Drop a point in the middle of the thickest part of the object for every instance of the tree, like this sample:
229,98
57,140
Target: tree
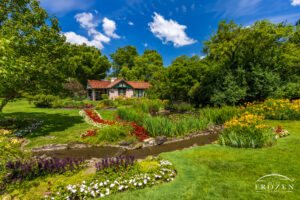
253,60
144,66
123,57
298,22
87,63
32,51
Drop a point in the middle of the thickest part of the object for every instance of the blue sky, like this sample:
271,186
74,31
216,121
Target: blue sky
172,27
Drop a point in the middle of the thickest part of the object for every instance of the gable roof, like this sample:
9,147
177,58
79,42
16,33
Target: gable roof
95,84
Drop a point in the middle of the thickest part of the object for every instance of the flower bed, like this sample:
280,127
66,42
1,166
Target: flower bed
92,117
279,132
109,180
247,131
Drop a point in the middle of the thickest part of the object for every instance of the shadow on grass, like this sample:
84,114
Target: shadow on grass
52,122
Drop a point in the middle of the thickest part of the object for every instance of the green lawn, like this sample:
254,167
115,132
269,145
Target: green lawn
65,124
206,172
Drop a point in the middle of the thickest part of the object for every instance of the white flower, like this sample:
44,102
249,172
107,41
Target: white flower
102,195
145,181
112,185
101,184
140,184
134,184
121,187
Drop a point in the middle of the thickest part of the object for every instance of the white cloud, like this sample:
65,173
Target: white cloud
146,44
201,57
109,27
74,38
169,31
237,8
130,23
193,6
86,20
295,2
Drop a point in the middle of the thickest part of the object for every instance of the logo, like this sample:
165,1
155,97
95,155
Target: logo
274,183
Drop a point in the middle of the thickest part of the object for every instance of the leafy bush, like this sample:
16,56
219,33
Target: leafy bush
178,107
163,126
44,101
247,131
104,96
148,106
219,115
108,102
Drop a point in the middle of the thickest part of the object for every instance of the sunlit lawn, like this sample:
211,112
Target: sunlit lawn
65,124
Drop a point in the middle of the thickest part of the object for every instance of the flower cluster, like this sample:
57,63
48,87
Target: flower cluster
92,117
89,133
104,187
116,163
279,132
79,106
37,166
245,120
275,109
139,132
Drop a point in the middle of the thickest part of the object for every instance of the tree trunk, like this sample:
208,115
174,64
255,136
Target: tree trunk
3,103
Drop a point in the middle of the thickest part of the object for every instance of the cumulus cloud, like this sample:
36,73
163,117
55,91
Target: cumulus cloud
88,22
169,31
295,2
130,23
74,38
109,27
145,44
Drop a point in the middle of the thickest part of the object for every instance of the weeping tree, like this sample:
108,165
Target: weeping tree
32,51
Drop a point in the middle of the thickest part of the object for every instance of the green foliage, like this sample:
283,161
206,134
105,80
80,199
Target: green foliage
157,126
108,102
45,101
113,133
86,63
130,115
147,166
32,51
247,137
219,115
179,107
104,96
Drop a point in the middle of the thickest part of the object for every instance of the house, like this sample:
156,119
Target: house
115,88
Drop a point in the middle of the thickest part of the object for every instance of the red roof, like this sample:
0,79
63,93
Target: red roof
95,84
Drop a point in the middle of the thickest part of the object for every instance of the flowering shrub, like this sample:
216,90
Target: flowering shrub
115,163
130,179
28,169
279,109
89,133
279,132
247,131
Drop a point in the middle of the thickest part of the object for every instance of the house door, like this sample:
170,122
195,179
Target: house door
121,91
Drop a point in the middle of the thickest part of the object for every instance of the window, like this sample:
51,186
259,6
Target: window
111,91
121,91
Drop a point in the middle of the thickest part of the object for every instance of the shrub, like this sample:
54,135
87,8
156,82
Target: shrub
178,107
44,101
108,102
247,131
104,96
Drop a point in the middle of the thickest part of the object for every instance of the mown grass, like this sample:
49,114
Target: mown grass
64,124
220,172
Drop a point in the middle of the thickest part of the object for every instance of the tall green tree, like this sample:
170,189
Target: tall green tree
255,60
33,50
123,58
87,62
144,66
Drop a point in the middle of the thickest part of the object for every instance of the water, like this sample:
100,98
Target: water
104,152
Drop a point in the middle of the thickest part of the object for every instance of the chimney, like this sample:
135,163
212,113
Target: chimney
112,79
